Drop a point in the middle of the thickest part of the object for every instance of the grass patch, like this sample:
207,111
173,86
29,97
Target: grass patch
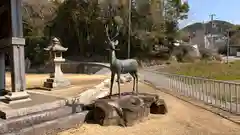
211,70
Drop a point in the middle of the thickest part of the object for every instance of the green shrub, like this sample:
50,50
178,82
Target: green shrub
34,49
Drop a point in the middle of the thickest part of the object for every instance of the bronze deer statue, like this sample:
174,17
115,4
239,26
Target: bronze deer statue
118,66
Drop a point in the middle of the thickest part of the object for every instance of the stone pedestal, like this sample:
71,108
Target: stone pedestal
127,110
57,79
17,97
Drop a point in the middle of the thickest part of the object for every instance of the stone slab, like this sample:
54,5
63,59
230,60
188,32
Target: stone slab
37,99
52,127
13,113
12,96
17,101
17,124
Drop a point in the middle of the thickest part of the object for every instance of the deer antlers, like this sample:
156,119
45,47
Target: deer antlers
110,39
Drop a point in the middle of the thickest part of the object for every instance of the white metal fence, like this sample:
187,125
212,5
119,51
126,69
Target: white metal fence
221,94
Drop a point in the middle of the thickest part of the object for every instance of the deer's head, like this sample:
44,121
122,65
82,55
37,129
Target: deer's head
110,40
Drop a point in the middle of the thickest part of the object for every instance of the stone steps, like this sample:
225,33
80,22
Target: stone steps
50,80
26,121
48,84
49,117
16,113
18,123
53,126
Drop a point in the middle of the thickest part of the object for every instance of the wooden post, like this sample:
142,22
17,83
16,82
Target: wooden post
15,44
2,72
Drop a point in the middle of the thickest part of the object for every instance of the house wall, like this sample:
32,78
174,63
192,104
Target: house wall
199,38
232,51
205,41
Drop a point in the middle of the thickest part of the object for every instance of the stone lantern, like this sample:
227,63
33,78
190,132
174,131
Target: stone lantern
56,79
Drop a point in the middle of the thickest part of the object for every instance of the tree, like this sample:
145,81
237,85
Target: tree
77,24
175,10
36,14
184,36
80,24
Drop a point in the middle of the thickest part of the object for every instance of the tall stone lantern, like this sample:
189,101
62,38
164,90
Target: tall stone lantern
56,79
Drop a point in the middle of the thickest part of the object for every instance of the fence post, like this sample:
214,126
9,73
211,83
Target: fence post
219,95
225,97
230,92
237,98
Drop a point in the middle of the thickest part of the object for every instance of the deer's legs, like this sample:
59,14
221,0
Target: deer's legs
136,76
118,82
111,85
134,80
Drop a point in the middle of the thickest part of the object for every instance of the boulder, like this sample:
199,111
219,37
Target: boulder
194,51
126,110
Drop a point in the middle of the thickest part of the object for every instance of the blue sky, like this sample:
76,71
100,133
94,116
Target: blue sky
228,10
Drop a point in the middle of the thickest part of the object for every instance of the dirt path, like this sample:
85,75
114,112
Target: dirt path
182,119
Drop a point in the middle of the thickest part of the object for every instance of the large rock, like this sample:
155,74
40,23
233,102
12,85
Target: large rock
127,110
195,51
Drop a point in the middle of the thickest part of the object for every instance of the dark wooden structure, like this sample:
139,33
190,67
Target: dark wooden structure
12,42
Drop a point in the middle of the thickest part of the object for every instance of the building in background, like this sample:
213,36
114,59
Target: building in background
215,42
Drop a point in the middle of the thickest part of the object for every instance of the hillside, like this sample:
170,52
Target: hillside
220,26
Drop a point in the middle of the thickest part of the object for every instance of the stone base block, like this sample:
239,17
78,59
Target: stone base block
3,92
17,97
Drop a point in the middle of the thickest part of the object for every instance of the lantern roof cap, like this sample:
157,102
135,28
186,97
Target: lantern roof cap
55,46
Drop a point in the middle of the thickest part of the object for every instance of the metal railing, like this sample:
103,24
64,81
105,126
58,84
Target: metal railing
221,94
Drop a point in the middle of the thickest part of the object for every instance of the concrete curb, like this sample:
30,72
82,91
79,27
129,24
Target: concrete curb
223,114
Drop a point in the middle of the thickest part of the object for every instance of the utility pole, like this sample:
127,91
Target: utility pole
129,27
211,31
204,27
228,42
204,34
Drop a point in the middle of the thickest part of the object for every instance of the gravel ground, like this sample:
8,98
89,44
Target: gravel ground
182,119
